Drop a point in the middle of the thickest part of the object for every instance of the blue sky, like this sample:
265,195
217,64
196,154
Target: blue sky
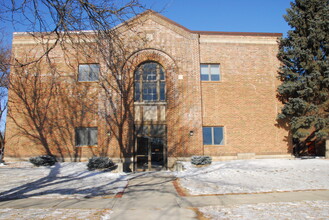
217,15
226,15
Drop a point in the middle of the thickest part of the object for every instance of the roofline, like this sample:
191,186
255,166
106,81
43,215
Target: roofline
238,33
50,32
168,20
149,11
214,32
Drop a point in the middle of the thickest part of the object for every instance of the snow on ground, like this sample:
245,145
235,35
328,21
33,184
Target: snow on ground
35,214
251,176
63,180
270,211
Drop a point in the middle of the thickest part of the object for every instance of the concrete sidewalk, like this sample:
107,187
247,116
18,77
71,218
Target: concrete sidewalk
153,196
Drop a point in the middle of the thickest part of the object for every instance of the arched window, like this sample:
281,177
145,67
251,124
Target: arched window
150,82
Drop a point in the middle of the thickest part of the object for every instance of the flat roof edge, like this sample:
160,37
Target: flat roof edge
71,32
195,32
238,33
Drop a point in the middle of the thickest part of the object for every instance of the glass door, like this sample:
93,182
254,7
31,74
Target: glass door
142,154
157,153
150,154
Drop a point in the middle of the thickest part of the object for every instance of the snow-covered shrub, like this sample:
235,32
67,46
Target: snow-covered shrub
100,163
44,160
200,160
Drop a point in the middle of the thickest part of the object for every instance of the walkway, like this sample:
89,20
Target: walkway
153,196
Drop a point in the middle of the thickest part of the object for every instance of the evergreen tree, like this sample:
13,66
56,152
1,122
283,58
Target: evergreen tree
305,69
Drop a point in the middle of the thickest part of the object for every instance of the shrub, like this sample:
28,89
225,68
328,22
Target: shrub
200,160
100,163
44,160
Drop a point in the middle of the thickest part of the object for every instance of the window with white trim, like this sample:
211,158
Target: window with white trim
86,136
210,72
213,135
88,72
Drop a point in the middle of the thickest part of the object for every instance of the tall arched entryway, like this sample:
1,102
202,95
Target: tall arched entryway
150,116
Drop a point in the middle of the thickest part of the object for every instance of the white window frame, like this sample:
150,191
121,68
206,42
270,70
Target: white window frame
209,66
213,135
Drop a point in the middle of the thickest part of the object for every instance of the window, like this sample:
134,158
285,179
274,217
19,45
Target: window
213,135
86,136
88,72
150,82
210,72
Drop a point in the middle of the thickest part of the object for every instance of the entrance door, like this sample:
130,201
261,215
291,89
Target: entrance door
142,154
157,153
150,154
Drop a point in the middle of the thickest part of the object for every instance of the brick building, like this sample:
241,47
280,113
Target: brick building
185,93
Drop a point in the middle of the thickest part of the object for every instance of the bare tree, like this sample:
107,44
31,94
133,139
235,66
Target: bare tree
59,25
4,74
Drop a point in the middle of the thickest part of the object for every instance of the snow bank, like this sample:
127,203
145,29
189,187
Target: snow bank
251,176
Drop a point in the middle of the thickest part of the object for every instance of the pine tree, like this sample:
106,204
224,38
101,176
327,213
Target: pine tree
305,70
